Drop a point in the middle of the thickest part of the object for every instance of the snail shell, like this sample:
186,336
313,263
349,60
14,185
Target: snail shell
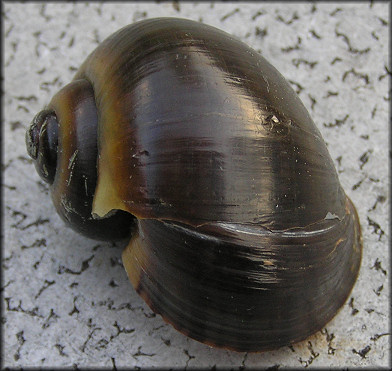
184,138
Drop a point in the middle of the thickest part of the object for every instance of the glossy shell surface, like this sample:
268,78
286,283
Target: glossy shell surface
244,237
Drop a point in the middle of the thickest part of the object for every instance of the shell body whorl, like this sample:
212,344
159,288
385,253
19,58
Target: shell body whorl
244,237
181,99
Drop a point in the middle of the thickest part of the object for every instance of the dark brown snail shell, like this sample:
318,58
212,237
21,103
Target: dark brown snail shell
184,138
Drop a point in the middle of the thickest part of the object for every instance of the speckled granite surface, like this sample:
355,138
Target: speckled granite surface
67,300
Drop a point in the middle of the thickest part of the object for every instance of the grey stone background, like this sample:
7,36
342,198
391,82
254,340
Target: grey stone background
67,300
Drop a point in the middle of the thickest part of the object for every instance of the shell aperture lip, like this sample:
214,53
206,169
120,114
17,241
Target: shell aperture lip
243,288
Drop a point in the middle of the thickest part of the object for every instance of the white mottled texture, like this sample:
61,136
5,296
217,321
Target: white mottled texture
67,300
